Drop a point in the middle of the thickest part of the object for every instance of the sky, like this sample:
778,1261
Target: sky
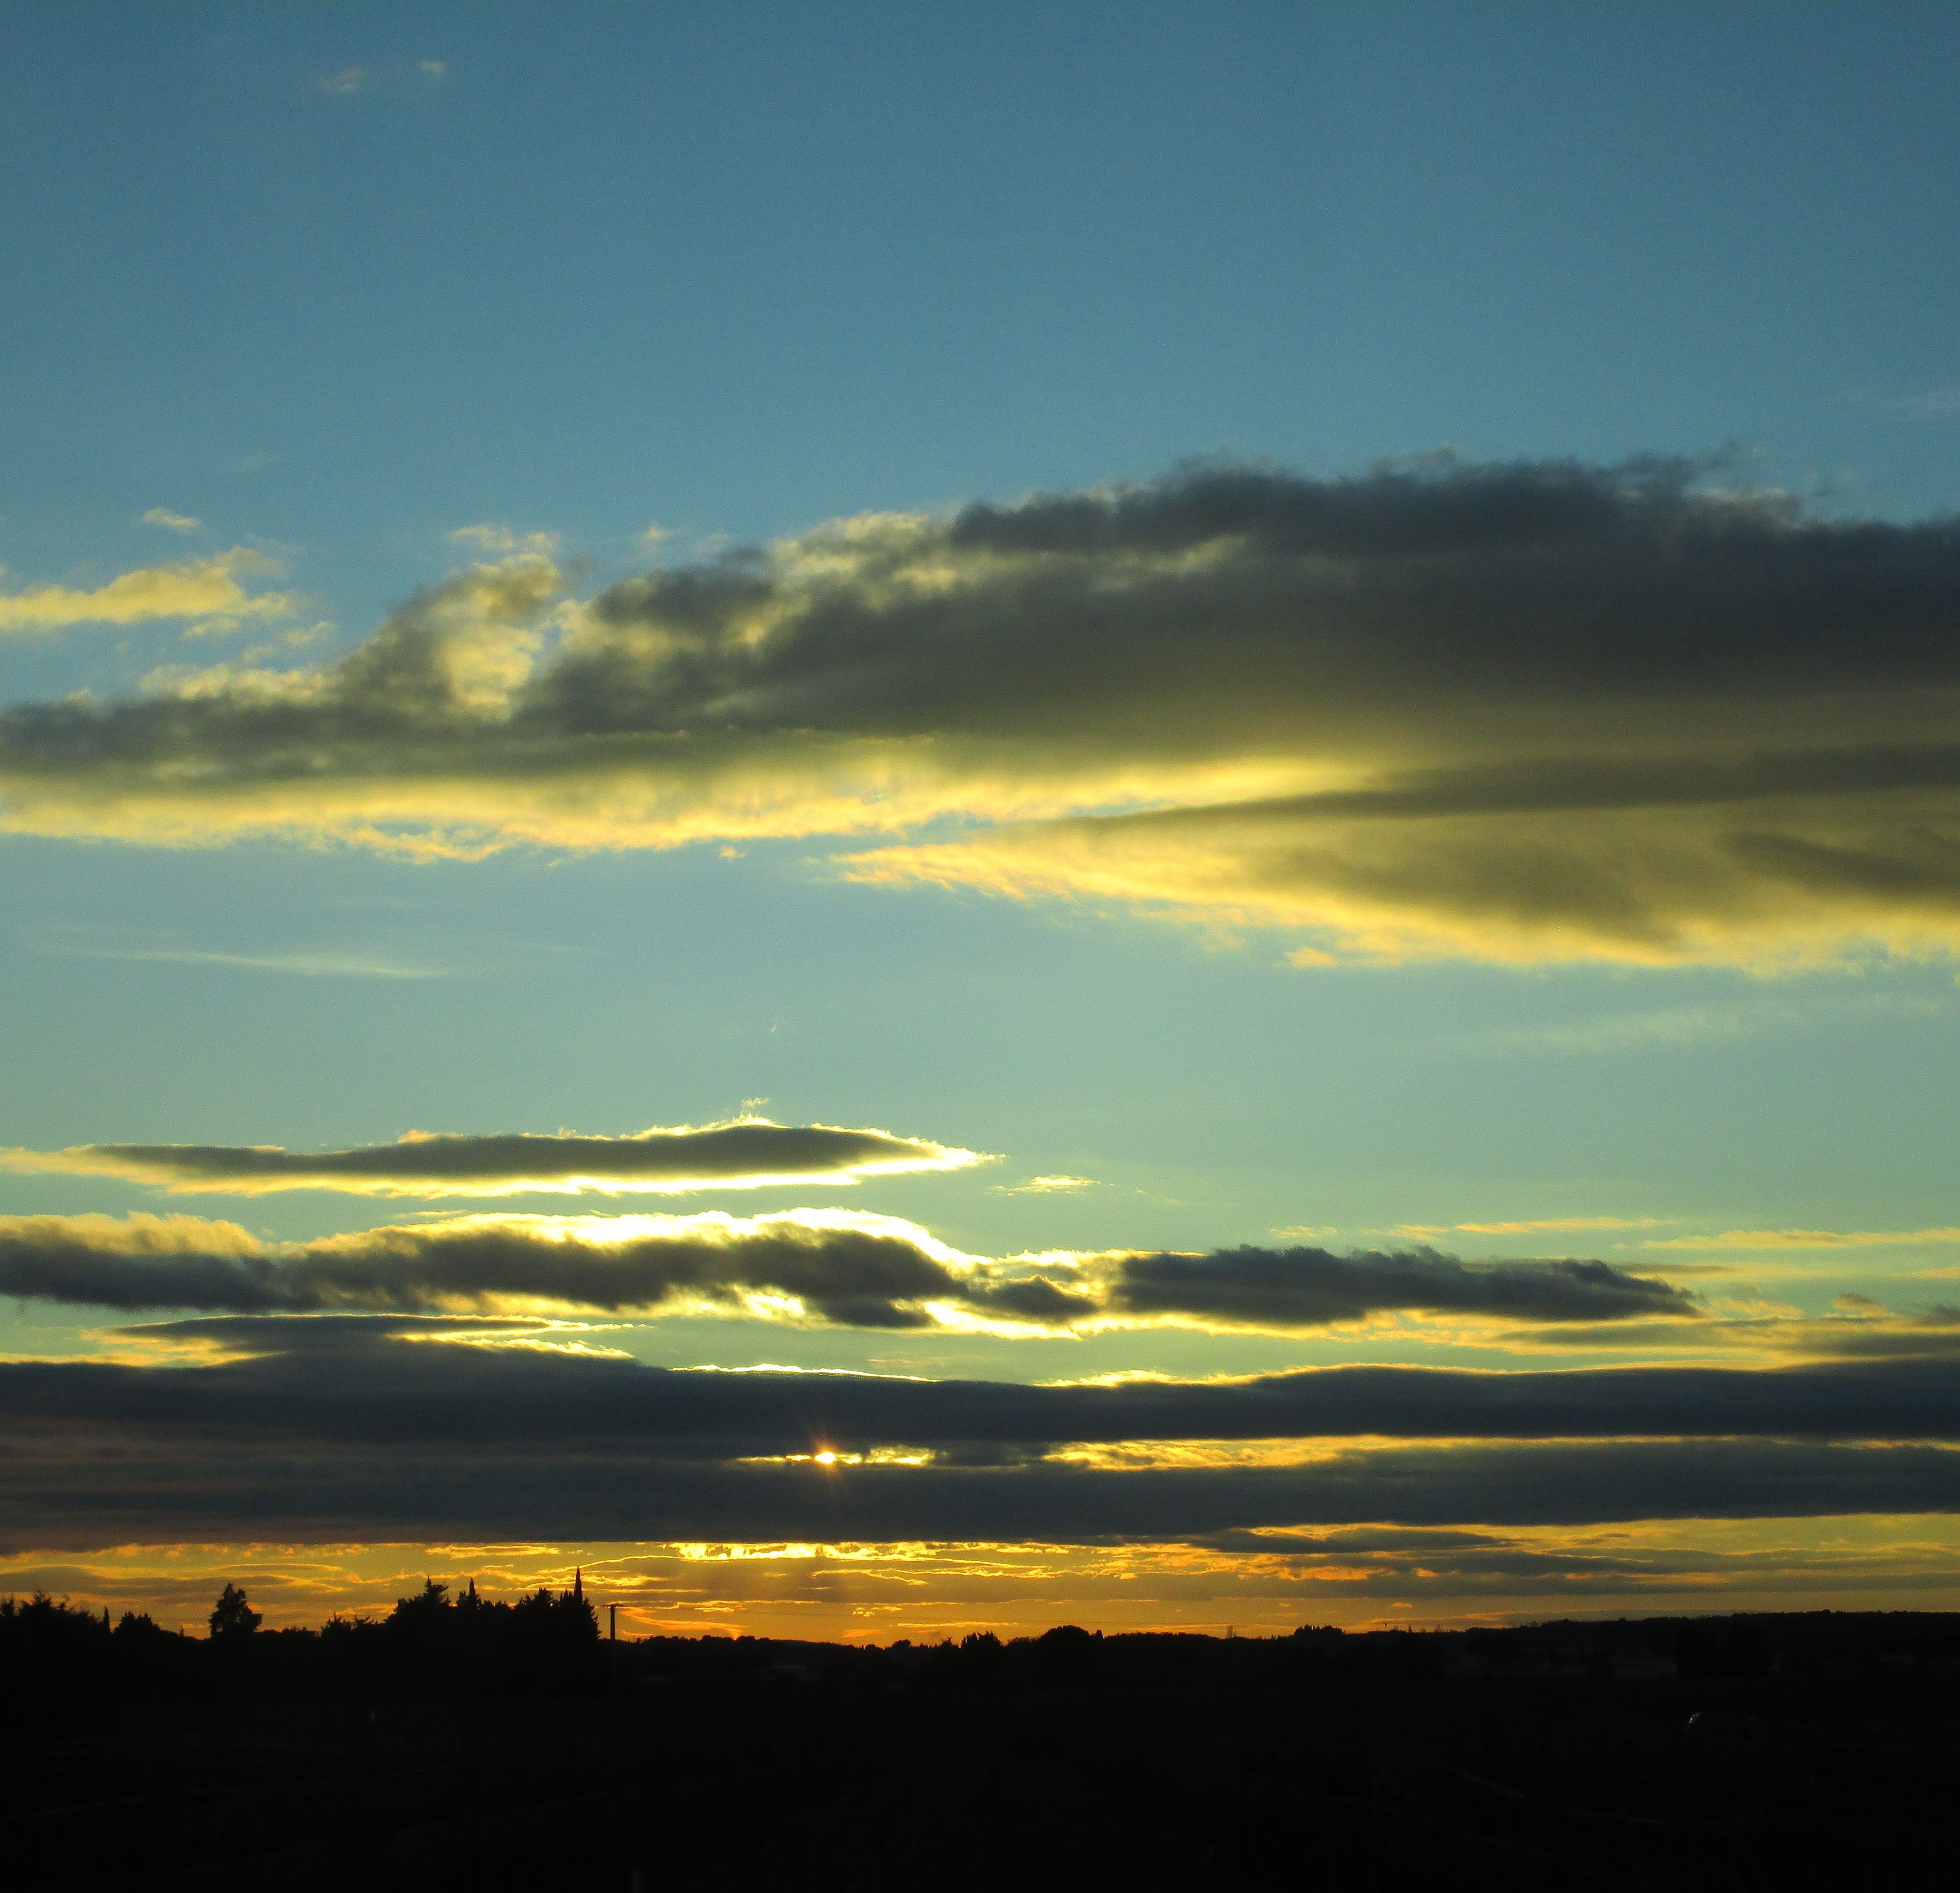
906,819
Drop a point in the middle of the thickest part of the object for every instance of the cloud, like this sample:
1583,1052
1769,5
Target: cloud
1936,404
850,1270
1682,1026
766,1414
1045,1186
829,1267
1525,713
741,1154
1425,1230
843,1267
399,73
176,522
210,589
1270,1290
1801,1239
501,539
323,751
1672,1026
316,965
1746,1324
343,1429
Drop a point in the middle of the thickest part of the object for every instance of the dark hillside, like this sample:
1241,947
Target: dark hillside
1790,1750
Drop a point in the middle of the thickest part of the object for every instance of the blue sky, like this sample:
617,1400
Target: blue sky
297,296
743,268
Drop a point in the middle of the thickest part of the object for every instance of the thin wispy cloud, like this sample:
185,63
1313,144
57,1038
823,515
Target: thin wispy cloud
1936,404
215,590
1688,1027
502,539
1058,1186
344,961
1810,1239
176,522
306,964
398,74
1673,1026
1427,1231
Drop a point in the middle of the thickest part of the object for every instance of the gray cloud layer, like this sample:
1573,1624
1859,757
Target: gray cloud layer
1524,712
1307,1287
353,1377
846,1276
339,1430
741,1154
860,1277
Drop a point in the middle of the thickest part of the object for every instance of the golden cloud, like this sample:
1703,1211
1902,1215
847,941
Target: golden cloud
209,589
1523,714
1799,1239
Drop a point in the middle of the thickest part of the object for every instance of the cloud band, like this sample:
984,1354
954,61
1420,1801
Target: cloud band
340,1430
1526,712
742,1154
856,1271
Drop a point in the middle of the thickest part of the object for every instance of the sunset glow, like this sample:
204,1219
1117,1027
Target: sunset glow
869,823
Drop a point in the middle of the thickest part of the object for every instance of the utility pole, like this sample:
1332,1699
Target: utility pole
612,1623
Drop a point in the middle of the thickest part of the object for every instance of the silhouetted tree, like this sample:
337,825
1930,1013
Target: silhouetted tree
426,1614
233,1616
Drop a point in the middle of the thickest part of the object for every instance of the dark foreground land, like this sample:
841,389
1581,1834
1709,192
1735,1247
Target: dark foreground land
1784,1751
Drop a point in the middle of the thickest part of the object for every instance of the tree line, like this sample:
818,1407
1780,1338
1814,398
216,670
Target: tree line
75,1665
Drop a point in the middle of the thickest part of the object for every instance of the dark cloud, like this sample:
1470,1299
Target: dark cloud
58,1492
1234,602
1267,1288
311,1369
1868,1331
742,1153
380,1430
1415,1562
865,1277
1038,1300
1525,711
849,1276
